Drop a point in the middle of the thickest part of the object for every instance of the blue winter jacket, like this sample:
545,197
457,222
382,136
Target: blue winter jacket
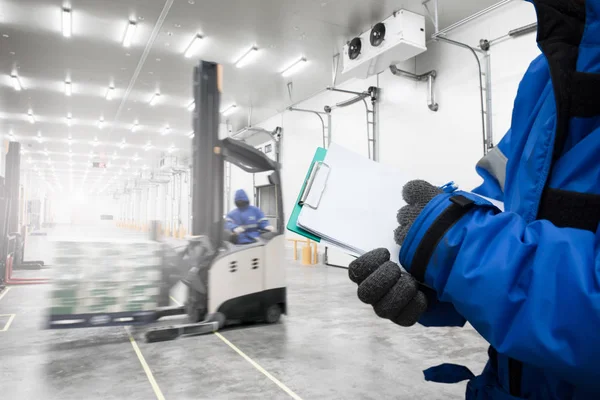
528,279
251,218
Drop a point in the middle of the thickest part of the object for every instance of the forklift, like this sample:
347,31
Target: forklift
226,282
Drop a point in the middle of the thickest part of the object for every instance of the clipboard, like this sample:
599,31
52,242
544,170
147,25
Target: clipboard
314,168
341,204
350,202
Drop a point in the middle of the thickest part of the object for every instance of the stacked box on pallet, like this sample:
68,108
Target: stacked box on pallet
99,277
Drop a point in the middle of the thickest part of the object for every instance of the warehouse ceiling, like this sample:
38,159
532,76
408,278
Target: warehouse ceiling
64,134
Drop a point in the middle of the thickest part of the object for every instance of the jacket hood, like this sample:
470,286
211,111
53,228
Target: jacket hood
240,195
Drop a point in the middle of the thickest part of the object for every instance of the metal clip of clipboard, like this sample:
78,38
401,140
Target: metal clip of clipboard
318,168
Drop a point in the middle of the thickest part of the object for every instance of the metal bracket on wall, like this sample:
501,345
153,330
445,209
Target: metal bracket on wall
372,114
429,76
325,123
290,89
334,68
433,15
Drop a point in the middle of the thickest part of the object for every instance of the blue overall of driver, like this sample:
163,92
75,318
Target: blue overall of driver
246,222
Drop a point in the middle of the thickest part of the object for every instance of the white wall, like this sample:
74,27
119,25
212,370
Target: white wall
438,147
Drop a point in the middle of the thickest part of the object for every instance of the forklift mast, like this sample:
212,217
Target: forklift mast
207,157
209,154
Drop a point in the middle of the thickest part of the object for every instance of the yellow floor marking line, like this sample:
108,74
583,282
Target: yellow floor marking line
4,292
146,368
9,322
259,368
252,362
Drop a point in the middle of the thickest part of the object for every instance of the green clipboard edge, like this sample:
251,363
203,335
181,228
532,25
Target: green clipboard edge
292,224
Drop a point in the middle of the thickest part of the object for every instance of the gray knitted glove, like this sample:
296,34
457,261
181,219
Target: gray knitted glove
392,291
416,194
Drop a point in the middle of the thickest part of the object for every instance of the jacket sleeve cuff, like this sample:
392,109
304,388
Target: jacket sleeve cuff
441,215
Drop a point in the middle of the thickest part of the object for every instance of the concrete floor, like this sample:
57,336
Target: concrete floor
330,346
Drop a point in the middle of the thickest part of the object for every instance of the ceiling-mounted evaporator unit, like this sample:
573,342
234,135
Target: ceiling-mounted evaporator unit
393,40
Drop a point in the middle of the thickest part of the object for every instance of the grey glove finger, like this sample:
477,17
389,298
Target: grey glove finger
372,289
400,234
396,299
366,264
412,312
419,192
407,214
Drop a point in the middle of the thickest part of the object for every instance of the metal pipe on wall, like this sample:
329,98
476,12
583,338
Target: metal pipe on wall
472,17
373,133
514,33
429,76
481,89
326,135
431,103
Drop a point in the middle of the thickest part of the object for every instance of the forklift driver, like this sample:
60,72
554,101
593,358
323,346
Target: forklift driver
246,222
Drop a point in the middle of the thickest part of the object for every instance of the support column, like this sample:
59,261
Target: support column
152,202
185,203
143,208
161,205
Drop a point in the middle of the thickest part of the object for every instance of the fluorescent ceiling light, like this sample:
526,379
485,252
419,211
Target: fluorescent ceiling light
68,88
191,135
123,144
247,58
30,116
16,82
171,148
135,126
110,92
229,110
295,67
166,131
129,33
101,123
136,157
148,146
193,46
154,99
66,22
95,142
69,119
192,106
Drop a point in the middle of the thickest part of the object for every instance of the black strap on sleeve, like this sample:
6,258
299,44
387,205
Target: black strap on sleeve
567,209
459,207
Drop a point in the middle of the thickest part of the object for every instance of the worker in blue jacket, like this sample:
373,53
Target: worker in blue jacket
528,278
246,222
